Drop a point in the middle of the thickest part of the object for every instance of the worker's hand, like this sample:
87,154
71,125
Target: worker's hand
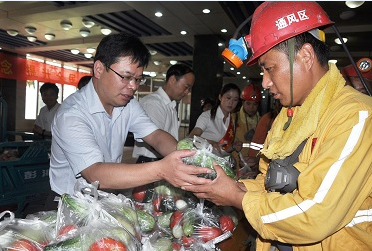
223,190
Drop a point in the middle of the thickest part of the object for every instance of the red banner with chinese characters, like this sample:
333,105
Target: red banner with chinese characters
13,67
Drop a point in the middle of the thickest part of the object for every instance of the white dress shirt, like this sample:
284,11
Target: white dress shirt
84,134
163,113
213,129
46,116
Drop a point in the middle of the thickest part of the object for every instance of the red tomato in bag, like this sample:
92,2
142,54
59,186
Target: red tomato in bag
206,233
67,229
187,241
226,223
24,245
175,218
107,244
139,193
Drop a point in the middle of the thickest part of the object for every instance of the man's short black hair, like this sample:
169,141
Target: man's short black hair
178,70
123,44
49,86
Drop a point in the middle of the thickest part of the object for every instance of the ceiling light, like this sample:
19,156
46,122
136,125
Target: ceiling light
84,32
158,14
66,25
88,55
105,31
153,52
12,32
224,30
153,74
75,51
238,72
261,73
232,68
220,44
338,41
31,38
157,62
353,4
183,32
206,11
91,50
30,29
49,36
88,23
173,62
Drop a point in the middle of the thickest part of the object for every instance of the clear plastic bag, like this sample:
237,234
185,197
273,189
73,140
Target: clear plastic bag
23,234
93,217
205,156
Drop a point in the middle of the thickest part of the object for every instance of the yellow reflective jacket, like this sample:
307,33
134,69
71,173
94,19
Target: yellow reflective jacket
331,209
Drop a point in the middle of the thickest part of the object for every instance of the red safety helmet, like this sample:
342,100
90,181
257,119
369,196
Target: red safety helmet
275,22
364,66
251,93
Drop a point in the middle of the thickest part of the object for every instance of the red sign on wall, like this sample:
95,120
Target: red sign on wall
14,67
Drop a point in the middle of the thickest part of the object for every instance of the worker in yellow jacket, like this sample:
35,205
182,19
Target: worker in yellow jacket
314,191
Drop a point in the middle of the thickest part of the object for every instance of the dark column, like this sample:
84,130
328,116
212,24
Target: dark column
8,94
208,68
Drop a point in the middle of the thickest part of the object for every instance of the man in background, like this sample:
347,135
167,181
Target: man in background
49,93
161,107
350,75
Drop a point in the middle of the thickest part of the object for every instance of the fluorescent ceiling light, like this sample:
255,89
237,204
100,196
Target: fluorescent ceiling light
158,14
354,4
30,29
206,11
66,24
12,32
50,36
91,50
75,51
84,32
31,38
338,41
105,31
88,23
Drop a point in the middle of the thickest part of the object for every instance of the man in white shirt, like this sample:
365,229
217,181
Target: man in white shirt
49,93
161,107
91,126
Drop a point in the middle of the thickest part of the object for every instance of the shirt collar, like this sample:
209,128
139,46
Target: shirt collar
166,98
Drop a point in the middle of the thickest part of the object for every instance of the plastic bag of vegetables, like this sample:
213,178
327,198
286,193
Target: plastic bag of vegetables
204,156
23,234
91,218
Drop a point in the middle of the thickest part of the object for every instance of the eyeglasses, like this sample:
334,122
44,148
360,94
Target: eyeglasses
128,79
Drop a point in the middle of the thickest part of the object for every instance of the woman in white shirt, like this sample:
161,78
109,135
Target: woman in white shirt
217,125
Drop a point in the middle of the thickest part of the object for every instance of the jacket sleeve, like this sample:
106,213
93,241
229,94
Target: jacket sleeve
335,181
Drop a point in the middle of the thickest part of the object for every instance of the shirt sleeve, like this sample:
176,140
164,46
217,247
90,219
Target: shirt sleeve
155,109
203,120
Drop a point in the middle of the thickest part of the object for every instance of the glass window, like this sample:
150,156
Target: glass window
32,89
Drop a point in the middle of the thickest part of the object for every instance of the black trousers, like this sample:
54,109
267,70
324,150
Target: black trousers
50,204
